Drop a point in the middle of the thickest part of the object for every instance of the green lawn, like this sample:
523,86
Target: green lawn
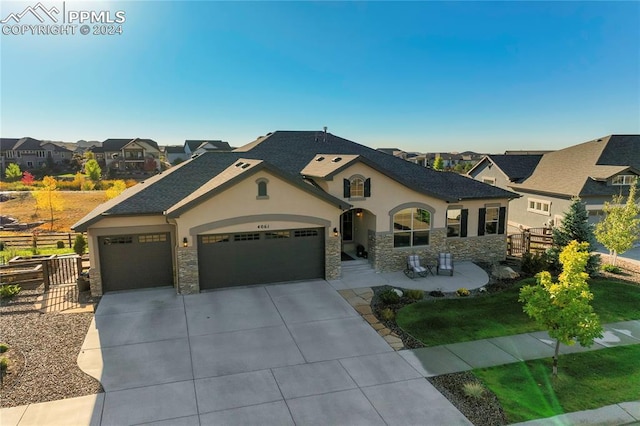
8,254
585,381
438,322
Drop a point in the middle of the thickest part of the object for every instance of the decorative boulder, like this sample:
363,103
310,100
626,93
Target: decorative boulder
398,292
504,273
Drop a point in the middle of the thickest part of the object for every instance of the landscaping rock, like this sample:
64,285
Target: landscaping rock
501,272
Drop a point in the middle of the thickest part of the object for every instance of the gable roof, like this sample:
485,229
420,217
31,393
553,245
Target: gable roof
195,144
291,151
7,144
326,165
28,144
581,170
515,167
117,144
174,149
285,153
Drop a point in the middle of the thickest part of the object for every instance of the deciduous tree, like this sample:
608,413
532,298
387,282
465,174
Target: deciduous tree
620,228
563,307
27,178
49,198
116,189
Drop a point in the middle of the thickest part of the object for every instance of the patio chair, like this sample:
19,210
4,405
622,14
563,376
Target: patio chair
445,262
414,268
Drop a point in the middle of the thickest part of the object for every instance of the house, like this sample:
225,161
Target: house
285,207
30,153
594,171
131,155
174,154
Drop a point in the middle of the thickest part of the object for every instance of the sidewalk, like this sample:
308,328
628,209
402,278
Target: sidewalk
456,357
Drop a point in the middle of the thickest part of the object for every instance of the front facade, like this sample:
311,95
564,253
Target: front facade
131,155
31,153
286,207
547,182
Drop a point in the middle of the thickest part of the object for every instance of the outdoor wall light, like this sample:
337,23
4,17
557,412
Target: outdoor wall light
335,232
359,212
185,242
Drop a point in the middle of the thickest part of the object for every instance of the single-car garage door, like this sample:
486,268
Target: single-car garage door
227,260
135,261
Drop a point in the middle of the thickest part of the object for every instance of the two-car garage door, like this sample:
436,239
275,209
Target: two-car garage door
236,259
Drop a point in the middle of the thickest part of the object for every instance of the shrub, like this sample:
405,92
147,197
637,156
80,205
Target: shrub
436,293
612,269
389,297
1,245
462,292
387,314
473,390
60,244
79,245
414,294
7,291
3,348
533,263
4,364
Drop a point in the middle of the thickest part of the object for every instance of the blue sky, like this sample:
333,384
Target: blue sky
422,76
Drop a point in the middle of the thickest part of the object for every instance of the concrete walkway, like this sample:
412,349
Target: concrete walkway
293,353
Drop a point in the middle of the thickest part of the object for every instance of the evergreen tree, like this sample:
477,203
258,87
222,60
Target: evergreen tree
575,226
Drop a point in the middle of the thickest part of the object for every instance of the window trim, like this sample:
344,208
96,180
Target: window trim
540,210
265,182
489,181
627,180
462,224
407,206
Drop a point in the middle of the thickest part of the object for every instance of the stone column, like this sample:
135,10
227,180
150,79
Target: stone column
332,258
188,277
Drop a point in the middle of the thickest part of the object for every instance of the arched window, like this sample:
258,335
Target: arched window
411,227
262,189
357,187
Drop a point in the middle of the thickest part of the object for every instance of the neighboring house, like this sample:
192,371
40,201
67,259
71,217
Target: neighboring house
594,171
174,153
193,147
283,208
30,153
131,155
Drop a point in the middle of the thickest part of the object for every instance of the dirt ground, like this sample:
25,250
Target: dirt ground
76,204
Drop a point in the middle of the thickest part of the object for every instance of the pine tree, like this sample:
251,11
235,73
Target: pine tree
575,226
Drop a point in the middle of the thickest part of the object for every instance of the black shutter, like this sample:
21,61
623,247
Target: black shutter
346,193
463,222
367,187
501,219
482,214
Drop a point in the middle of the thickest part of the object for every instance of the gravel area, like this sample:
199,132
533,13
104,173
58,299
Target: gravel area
44,351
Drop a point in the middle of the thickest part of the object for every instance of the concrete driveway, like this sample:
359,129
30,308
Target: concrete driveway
293,353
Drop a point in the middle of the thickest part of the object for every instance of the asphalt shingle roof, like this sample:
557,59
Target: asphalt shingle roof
516,167
579,170
117,144
289,152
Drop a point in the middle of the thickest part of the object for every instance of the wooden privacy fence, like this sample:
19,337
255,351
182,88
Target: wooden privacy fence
33,271
40,240
534,241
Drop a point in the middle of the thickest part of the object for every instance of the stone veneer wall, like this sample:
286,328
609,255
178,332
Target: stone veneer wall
332,258
95,282
487,248
371,247
188,278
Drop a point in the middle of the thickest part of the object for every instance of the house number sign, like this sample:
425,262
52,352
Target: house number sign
263,226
